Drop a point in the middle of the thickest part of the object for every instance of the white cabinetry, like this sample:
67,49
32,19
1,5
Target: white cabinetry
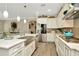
63,49
51,23
44,37
60,47
51,36
67,51
74,53
68,23
60,21
17,50
42,20
29,49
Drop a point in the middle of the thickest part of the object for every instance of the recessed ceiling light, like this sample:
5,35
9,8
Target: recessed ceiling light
75,11
24,20
18,18
49,10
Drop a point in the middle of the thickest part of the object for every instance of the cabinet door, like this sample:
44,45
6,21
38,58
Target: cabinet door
74,52
77,53
42,20
20,53
60,47
50,37
67,51
44,37
29,49
67,23
16,49
51,23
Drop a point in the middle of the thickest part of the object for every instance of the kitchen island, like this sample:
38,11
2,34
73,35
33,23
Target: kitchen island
65,48
11,47
18,45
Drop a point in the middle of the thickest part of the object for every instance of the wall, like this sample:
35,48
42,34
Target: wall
21,27
1,26
76,28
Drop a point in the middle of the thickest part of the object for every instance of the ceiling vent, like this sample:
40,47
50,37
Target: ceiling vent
25,5
42,5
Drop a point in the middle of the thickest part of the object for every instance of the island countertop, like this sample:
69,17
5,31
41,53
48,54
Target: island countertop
6,44
19,36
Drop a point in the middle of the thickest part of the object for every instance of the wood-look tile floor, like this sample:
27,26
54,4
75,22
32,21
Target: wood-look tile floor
45,49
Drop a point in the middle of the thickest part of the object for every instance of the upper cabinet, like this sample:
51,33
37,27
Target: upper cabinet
51,23
42,20
67,23
1,26
60,21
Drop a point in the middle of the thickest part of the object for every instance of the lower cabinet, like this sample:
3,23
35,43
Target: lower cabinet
67,51
44,37
59,47
50,37
17,50
29,49
74,53
63,50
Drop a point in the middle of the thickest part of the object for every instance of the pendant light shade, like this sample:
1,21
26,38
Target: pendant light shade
5,14
18,18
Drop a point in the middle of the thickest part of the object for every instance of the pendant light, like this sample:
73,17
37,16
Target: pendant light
5,13
18,18
24,20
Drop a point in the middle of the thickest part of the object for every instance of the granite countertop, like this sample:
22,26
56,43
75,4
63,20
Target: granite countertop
19,36
6,44
73,44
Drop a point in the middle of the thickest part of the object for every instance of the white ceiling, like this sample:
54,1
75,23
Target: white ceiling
32,9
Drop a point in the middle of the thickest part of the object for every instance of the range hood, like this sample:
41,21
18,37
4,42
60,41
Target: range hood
72,13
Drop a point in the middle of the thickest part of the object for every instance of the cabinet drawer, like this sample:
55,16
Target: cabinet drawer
19,52
16,48
77,53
